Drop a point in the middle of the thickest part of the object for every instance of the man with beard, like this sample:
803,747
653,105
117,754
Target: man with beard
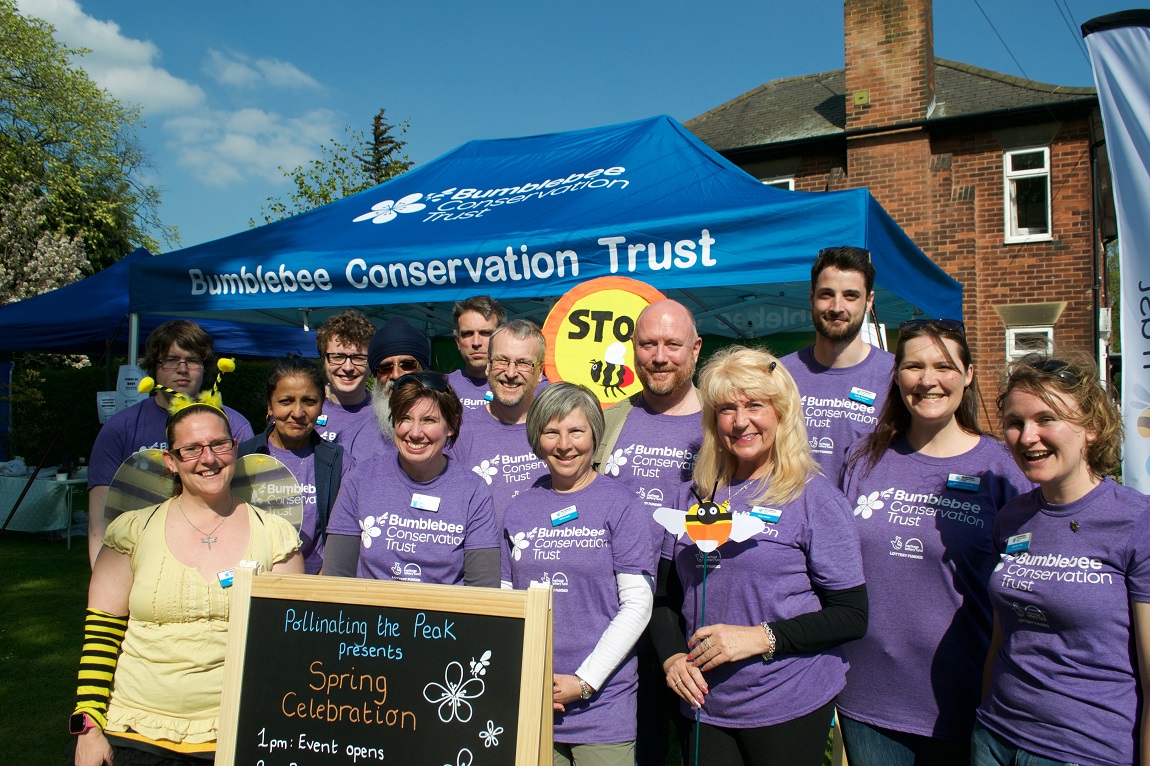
476,320
843,379
493,442
342,342
395,350
649,444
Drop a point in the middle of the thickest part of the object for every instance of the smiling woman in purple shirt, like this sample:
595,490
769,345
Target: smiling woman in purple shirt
1071,593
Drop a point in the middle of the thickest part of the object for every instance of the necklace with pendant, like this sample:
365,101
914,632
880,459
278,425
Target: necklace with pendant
207,538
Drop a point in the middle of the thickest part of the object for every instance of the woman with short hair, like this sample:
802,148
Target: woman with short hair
399,497
592,539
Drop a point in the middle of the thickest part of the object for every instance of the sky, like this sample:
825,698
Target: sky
232,91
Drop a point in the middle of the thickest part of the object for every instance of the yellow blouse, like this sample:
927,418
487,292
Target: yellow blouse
170,674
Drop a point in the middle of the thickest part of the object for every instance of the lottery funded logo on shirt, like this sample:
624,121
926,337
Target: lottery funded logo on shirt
548,543
908,509
820,411
588,334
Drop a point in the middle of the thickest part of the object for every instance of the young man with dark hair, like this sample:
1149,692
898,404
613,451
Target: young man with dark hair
342,343
476,320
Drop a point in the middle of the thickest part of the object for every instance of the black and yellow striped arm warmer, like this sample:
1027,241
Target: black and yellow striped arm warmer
103,634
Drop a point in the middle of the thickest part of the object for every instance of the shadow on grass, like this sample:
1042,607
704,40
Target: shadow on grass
43,591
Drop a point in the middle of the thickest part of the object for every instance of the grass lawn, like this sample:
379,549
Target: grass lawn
42,599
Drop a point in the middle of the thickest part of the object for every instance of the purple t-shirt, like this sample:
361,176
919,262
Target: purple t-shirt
927,555
835,402
769,577
340,424
368,443
138,427
1065,684
301,462
655,454
608,534
500,454
474,393
398,541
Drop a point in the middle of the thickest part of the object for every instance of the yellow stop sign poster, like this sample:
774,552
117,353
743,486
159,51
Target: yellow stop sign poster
589,332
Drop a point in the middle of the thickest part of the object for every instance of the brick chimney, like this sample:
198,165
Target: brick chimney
889,61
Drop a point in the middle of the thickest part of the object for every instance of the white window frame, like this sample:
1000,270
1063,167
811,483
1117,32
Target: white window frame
1012,233
780,182
1014,353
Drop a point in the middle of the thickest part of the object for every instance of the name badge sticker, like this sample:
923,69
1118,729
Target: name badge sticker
563,515
226,577
963,482
321,420
862,395
1018,543
769,515
425,502
488,397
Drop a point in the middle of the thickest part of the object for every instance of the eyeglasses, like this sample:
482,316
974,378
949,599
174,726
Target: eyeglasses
406,365
1058,369
193,451
174,362
515,365
338,360
946,325
432,380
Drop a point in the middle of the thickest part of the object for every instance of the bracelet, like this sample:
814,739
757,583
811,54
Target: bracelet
770,653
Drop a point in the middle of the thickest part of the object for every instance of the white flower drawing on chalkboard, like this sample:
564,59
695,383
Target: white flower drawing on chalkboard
490,735
370,530
462,758
453,694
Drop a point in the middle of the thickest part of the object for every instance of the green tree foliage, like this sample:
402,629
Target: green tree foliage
72,144
342,169
33,258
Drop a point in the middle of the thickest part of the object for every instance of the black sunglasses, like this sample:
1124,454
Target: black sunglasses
946,325
432,380
1058,369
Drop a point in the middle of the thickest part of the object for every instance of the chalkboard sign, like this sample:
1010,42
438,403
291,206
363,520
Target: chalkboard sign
332,670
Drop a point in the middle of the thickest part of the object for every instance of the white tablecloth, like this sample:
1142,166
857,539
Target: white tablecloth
46,507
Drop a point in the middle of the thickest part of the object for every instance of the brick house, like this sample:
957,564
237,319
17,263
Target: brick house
991,175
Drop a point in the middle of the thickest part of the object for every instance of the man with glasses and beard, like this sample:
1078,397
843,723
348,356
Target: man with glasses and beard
342,343
396,349
494,444
843,379
649,444
176,356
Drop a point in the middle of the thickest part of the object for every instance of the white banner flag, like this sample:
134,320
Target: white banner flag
1119,46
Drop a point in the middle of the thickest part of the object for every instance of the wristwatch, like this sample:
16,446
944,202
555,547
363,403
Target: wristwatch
78,723
585,690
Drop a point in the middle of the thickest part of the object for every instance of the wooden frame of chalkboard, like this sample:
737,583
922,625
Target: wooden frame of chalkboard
333,670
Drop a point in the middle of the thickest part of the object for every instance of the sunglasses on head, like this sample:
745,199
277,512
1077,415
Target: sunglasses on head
432,380
406,365
946,325
1058,369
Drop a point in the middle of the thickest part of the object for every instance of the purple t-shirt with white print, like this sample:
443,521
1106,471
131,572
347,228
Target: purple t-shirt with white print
340,424
770,576
840,404
606,532
412,530
655,454
924,524
500,455
141,426
301,462
1065,684
473,393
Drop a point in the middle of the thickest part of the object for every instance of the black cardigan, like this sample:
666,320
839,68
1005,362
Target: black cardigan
328,460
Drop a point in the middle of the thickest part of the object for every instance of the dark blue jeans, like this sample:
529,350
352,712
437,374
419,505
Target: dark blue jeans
989,749
868,745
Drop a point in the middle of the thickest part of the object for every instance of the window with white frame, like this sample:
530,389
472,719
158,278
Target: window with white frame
787,182
1026,176
1021,341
